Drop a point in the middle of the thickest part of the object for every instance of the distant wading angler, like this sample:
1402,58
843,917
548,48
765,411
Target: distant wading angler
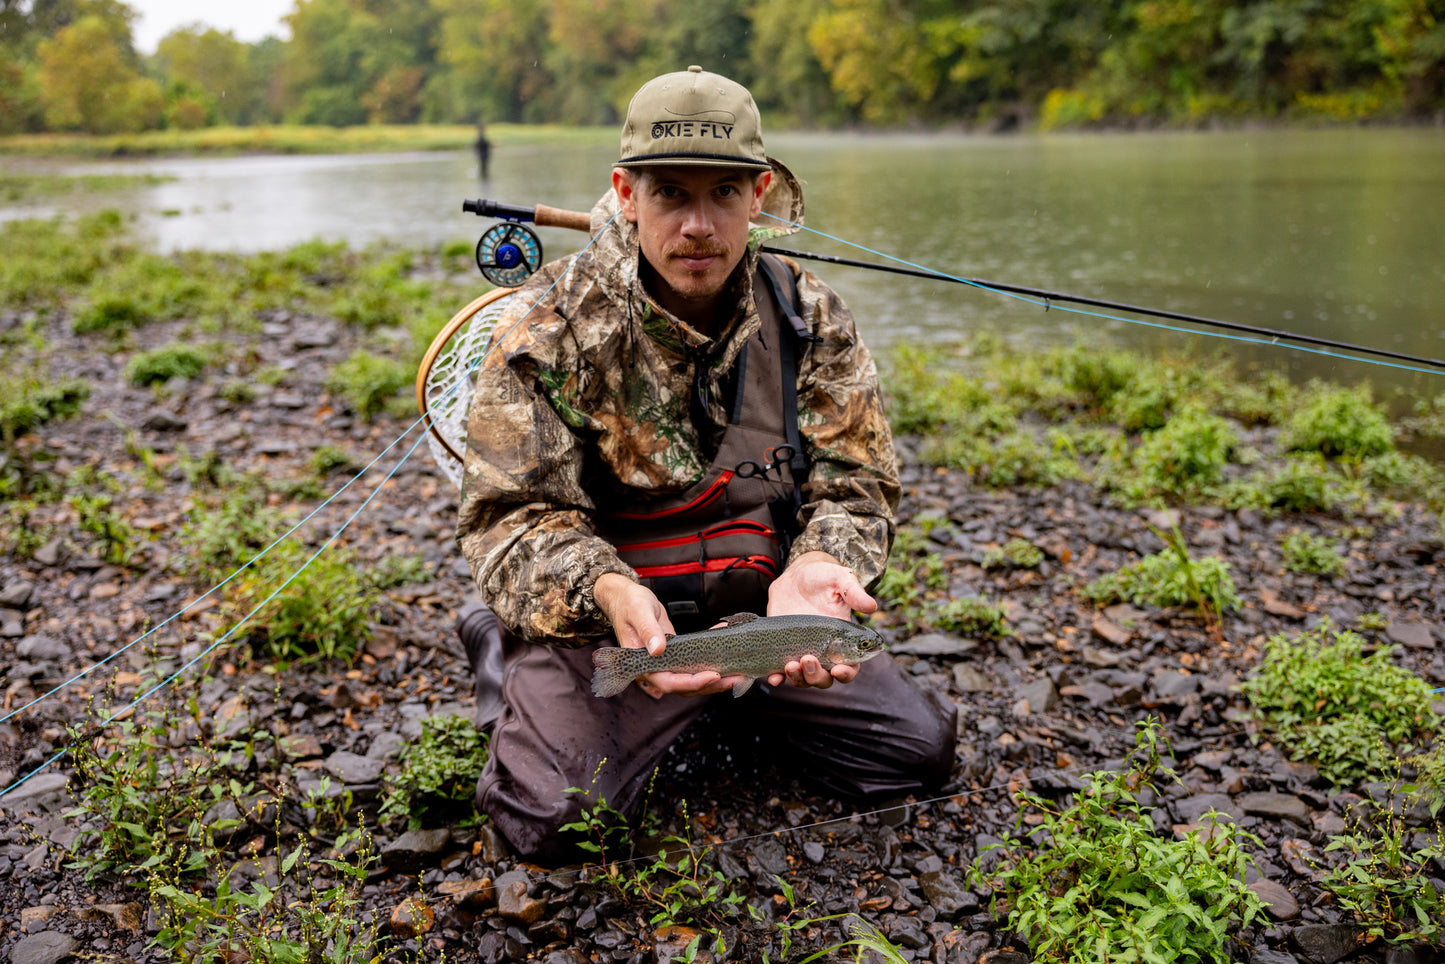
682,430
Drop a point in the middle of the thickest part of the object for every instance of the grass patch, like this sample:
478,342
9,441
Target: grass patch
1329,701
163,364
28,187
1307,553
438,779
1092,880
1170,577
366,382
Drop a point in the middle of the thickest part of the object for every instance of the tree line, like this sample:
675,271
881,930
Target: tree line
71,65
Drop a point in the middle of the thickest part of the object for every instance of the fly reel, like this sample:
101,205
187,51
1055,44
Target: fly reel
508,253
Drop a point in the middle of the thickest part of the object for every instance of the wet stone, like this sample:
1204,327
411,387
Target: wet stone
1324,943
1192,809
946,895
769,857
1278,901
967,679
42,647
909,932
353,768
1278,806
411,918
514,903
415,849
47,947
1411,634
17,594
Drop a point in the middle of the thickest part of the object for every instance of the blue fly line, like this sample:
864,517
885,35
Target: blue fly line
292,577
1051,305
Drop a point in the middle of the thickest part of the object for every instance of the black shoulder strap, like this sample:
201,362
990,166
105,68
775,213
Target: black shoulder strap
787,300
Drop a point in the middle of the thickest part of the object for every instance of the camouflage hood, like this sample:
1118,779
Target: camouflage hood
616,249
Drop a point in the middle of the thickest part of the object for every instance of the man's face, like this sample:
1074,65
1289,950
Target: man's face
692,223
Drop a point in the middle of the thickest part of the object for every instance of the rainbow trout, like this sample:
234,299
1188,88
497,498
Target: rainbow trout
749,646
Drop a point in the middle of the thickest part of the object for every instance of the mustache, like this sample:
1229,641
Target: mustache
698,251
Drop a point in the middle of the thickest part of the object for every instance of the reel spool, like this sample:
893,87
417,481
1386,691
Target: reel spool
508,253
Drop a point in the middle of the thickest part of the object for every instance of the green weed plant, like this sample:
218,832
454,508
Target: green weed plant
1092,880
323,612
1014,554
1386,880
1170,577
365,382
1338,423
439,774
1326,699
1305,552
29,400
160,365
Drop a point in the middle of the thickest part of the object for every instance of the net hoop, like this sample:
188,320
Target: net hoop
445,380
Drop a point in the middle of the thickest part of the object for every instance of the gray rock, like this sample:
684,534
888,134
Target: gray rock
1278,806
163,421
949,898
1411,634
353,768
1266,956
47,947
909,932
514,902
770,857
1277,899
41,646
415,849
935,644
966,679
11,625
33,790
814,852
16,595
1324,943
1191,809
1171,686
49,554
1040,695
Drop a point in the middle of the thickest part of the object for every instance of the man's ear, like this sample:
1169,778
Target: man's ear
760,187
626,192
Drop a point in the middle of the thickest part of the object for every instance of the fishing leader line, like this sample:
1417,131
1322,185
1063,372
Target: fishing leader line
422,420
1049,300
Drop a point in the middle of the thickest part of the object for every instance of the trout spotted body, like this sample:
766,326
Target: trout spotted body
749,646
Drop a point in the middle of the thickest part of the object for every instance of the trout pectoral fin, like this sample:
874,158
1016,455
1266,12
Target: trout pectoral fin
742,686
737,619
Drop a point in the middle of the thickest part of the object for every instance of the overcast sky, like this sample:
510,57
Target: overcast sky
249,20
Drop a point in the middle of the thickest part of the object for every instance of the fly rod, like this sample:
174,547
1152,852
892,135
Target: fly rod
544,215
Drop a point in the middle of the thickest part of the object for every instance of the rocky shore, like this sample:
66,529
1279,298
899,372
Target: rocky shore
1053,700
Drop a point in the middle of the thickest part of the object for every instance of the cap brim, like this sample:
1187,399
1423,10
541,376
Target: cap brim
693,160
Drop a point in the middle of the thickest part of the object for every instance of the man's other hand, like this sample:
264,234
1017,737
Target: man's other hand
816,584
640,621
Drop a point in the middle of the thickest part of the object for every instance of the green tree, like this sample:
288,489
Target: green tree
591,42
88,83
491,55
789,79
212,66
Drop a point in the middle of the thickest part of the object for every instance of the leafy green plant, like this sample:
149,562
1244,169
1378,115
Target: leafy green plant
1014,554
969,617
322,612
365,382
331,458
1093,881
1307,553
1328,701
226,531
163,364
115,537
1386,883
439,774
1184,457
1338,422
1169,578
1304,483
29,400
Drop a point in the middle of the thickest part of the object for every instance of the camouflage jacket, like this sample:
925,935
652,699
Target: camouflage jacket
588,397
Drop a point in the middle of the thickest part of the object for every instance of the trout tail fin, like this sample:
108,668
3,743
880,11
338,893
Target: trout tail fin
610,675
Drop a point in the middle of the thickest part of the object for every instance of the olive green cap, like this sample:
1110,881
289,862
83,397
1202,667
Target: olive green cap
693,117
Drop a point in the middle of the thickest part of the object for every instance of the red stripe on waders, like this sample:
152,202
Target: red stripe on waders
760,563
730,529
706,498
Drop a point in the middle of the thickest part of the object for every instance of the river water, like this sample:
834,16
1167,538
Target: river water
1338,234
